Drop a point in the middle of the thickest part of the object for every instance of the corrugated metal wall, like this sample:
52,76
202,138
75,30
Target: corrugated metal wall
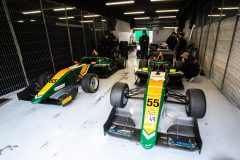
219,46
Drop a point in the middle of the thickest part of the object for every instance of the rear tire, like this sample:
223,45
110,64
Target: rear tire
196,106
90,83
119,93
143,63
121,62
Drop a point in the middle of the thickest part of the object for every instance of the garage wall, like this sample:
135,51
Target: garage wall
219,47
123,30
161,35
43,41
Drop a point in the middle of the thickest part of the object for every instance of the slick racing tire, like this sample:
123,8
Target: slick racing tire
121,62
90,83
196,107
119,93
143,63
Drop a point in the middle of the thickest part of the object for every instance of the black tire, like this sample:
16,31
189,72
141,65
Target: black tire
43,79
90,83
121,62
118,95
196,106
143,63
107,71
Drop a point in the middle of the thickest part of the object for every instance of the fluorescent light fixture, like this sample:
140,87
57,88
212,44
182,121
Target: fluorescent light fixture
90,21
170,27
65,17
89,16
138,12
32,20
140,28
162,17
141,18
103,20
31,12
119,3
158,0
228,8
63,9
216,15
20,21
167,11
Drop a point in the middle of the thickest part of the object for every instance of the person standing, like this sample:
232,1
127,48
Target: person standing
181,46
172,41
144,43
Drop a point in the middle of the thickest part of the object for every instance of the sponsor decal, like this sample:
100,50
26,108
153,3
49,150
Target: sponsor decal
66,100
59,87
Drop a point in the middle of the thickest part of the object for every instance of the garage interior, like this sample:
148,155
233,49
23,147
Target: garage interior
44,35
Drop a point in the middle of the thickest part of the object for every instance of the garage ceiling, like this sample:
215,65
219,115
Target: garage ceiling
148,6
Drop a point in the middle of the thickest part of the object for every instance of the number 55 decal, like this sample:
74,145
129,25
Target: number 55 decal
153,102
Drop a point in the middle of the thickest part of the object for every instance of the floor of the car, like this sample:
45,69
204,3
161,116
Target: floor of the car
76,131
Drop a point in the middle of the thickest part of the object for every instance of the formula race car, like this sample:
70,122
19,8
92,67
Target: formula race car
174,76
162,124
103,66
62,87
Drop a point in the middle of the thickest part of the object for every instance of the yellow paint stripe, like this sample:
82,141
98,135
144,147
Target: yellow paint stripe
154,92
49,85
84,70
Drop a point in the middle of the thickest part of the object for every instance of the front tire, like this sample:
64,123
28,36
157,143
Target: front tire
143,63
119,93
196,106
90,83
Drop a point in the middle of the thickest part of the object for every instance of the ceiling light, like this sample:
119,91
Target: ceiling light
162,17
93,15
141,28
138,12
119,3
157,0
31,12
65,17
32,20
63,9
103,20
141,18
170,27
87,21
228,8
166,11
216,15
20,21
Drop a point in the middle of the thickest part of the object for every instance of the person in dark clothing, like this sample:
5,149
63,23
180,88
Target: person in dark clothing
190,66
144,43
172,41
181,46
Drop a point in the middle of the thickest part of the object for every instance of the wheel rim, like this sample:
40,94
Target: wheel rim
125,94
124,63
94,83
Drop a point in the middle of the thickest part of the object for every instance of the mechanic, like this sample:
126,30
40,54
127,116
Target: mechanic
190,66
172,41
144,43
181,46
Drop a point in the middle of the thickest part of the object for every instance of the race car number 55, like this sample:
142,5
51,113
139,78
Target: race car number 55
153,102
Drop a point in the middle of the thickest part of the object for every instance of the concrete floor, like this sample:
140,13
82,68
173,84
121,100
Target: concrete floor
48,132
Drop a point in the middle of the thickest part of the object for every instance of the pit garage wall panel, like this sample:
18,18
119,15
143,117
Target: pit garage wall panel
77,42
231,86
222,51
210,47
11,74
203,42
31,37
